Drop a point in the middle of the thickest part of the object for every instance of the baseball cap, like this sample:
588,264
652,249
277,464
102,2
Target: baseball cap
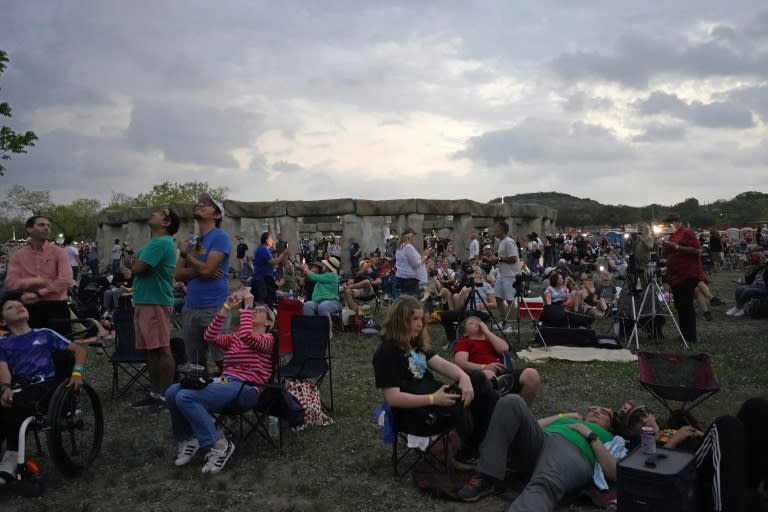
206,198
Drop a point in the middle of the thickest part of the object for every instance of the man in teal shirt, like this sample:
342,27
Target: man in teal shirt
153,299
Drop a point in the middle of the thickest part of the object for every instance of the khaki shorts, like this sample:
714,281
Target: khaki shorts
152,324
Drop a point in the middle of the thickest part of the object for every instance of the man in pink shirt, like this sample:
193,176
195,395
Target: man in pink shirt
40,270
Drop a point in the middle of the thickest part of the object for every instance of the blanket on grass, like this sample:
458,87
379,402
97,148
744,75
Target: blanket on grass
578,354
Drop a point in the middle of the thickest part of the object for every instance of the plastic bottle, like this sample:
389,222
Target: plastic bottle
273,426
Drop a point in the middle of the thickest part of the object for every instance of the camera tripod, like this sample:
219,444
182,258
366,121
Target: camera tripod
519,304
471,305
650,293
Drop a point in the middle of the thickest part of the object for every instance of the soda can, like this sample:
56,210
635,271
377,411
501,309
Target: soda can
647,440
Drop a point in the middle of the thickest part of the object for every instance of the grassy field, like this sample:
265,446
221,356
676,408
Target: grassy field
346,466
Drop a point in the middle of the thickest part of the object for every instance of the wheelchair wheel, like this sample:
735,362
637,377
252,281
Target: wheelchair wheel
75,428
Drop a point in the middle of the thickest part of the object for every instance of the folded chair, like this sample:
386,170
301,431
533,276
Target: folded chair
311,358
125,359
286,310
436,428
686,378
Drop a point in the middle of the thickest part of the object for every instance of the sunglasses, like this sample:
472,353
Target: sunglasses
596,409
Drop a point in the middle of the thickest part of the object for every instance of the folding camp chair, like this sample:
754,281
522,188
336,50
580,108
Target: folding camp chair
125,358
286,310
686,378
242,423
404,457
311,359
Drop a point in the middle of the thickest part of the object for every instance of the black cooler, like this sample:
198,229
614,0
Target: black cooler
663,482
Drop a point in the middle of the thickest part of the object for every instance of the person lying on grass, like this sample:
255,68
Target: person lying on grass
27,362
479,348
247,363
421,405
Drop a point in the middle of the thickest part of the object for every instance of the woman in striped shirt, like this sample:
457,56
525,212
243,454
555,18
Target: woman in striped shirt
247,361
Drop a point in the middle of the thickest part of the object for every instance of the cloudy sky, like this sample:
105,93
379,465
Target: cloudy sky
621,101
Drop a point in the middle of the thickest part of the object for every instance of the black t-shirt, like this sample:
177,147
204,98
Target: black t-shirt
408,371
242,248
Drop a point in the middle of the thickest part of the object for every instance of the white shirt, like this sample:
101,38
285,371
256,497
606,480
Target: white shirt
507,248
474,248
73,255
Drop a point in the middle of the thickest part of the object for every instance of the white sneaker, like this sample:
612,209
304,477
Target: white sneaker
731,311
186,450
8,467
216,459
738,312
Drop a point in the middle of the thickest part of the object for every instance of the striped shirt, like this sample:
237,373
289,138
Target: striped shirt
248,355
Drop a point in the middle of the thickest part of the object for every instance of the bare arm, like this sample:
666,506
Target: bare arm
449,369
6,397
499,345
139,267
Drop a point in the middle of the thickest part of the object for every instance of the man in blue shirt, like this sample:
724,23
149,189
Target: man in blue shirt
26,359
204,267
263,285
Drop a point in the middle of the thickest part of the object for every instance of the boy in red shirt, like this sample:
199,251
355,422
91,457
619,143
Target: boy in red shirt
480,349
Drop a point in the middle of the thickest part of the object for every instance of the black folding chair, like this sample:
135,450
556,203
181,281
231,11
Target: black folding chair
686,378
435,453
125,359
311,358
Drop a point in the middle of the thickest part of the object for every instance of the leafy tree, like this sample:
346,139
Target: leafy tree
77,219
26,203
10,141
168,193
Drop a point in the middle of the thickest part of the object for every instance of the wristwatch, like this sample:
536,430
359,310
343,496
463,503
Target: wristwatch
591,438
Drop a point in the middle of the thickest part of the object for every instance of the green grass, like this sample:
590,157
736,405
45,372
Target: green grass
346,466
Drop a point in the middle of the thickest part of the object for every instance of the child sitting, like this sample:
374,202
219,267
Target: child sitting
27,361
480,349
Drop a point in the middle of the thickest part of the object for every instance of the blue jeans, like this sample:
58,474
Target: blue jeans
744,292
190,408
325,307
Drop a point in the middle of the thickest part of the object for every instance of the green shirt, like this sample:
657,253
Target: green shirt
326,286
155,286
560,426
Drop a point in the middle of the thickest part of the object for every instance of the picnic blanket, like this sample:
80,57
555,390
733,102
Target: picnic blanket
579,354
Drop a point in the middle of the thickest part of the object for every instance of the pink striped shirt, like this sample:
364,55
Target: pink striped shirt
248,355
28,264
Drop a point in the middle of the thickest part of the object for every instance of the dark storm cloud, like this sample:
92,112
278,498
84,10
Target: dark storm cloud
539,140
288,167
755,98
718,114
191,133
637,57
661,133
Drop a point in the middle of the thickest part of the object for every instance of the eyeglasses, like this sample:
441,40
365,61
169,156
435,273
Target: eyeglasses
597,409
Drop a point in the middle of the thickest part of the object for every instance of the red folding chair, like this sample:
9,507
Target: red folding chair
286,310
686,378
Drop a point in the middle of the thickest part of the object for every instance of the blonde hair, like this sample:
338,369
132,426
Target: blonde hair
463,325
396,325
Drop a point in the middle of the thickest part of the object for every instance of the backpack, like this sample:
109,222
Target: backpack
435,478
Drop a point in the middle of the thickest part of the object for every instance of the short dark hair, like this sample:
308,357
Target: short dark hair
503,225
264,237
31,221
8,296
173,227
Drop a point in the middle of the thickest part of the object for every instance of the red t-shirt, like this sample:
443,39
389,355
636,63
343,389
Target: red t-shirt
683,265
480,351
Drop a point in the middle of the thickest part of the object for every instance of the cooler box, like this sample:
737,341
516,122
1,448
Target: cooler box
532,307
287,309
662,482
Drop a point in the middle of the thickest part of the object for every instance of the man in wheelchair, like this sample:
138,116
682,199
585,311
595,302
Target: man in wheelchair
28,375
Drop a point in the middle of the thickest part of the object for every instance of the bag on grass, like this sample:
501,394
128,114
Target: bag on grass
308,396
435,478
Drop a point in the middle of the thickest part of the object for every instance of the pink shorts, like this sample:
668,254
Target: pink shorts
152,324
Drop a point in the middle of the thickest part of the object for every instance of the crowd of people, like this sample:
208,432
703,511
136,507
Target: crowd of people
490,402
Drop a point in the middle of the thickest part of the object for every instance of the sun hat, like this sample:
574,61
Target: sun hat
332,263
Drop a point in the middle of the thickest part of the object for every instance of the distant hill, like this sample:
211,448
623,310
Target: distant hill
747,208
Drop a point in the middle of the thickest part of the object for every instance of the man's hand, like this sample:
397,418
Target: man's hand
29,298
496,368
75,382
683,433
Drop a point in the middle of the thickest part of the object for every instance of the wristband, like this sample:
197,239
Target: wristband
431,399
226,306
561,415
77,374
482,367
77,368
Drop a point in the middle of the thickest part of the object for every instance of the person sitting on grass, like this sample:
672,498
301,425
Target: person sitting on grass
480,349
556,456
755,286
27,361
247,364
403,366
363,285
